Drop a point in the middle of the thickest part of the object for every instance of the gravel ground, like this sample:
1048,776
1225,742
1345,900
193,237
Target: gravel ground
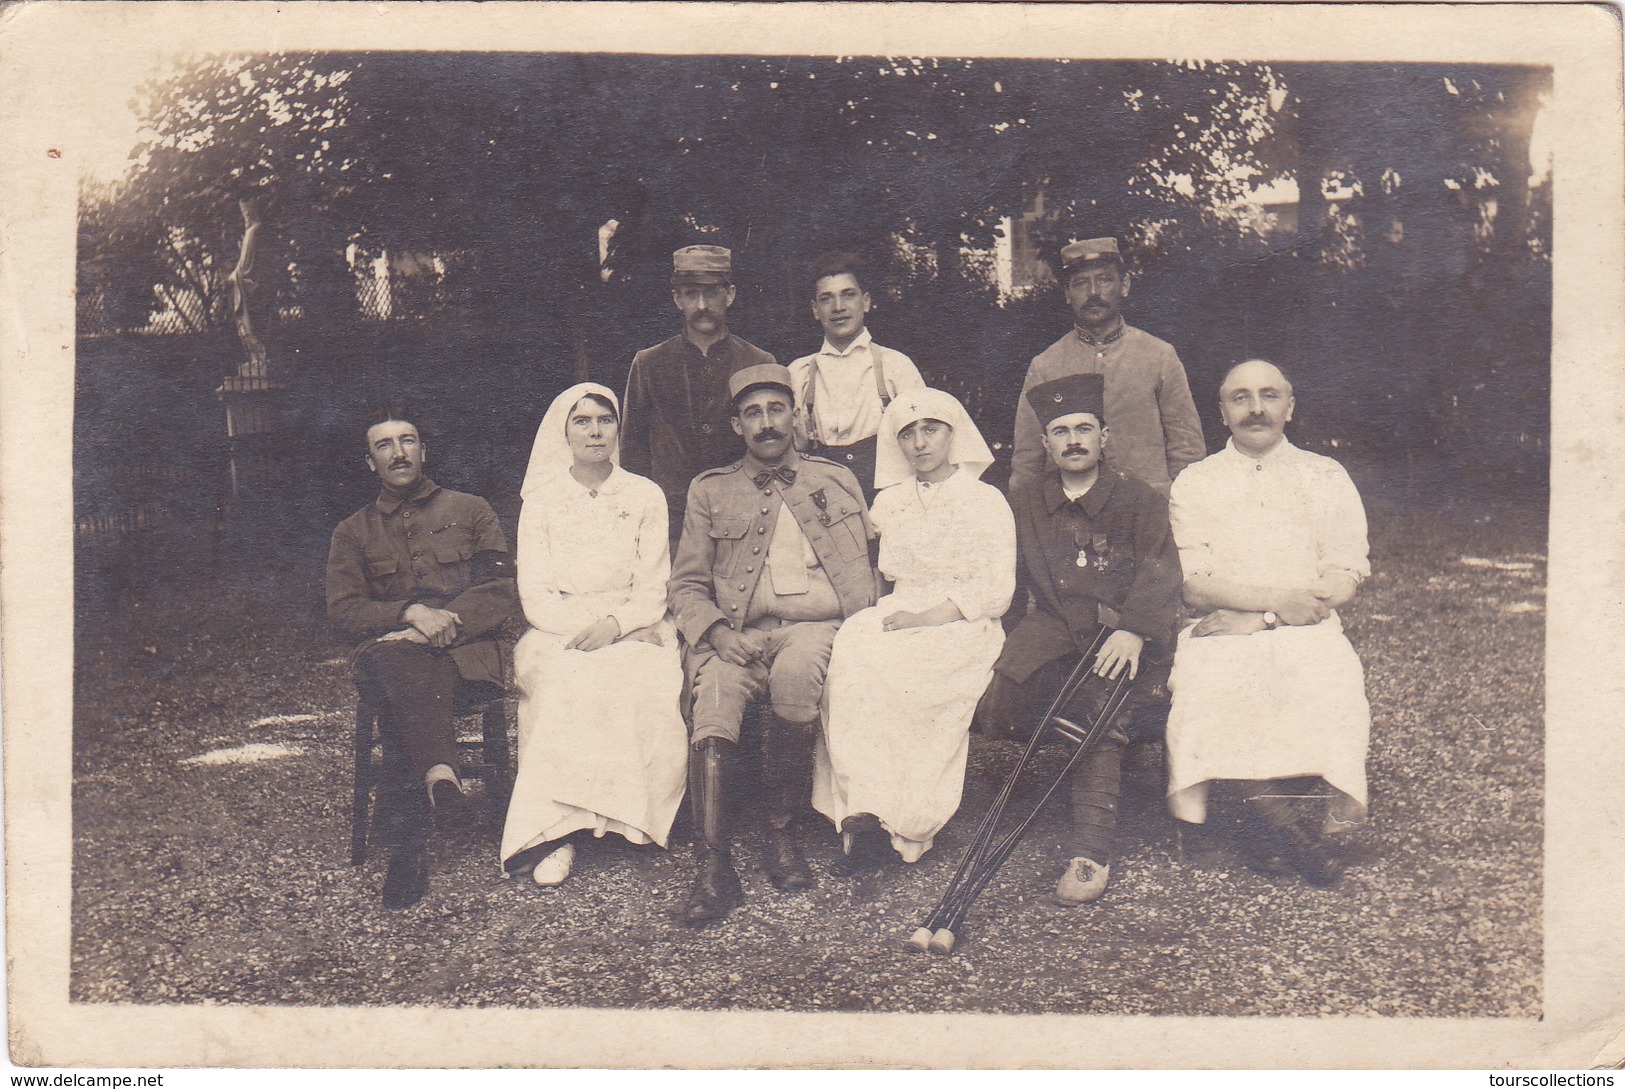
202,881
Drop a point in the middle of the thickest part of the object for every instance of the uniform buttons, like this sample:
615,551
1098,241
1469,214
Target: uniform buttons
409,536
1259,467
1100,355
705,428
417,555
761,529
756,551
764,510
750,570
741,586
735,608
849,457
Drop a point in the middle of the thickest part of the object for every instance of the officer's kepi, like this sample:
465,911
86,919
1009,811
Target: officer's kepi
746,379
1067,395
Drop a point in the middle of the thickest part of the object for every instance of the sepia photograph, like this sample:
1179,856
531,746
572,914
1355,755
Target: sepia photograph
651,522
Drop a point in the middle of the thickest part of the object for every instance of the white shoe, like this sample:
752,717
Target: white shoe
1083,882
553,869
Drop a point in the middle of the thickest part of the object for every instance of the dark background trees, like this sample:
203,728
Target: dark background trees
527,204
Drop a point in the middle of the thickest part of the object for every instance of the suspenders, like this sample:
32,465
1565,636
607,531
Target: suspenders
812,390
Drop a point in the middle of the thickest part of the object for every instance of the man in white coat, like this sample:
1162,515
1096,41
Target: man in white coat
1266,687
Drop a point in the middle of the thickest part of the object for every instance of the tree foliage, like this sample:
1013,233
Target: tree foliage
1413,183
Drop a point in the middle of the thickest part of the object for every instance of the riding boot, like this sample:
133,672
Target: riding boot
787,751
1269,803
716,885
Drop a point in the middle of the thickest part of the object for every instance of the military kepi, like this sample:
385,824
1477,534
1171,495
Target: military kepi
702,265
1068,394
759,374
1090,249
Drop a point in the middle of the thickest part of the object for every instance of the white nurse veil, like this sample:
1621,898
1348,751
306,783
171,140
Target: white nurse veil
969,450
550,456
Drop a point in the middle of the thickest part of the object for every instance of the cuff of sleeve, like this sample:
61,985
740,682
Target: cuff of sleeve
969,609
696,625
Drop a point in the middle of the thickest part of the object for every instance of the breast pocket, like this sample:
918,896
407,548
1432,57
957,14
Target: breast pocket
726,535
847,531
451,544
381,567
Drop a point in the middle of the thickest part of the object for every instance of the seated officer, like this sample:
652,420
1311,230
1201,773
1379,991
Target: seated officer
1089,536
774,555
424,575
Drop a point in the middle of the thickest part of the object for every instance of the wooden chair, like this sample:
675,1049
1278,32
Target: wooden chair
486,757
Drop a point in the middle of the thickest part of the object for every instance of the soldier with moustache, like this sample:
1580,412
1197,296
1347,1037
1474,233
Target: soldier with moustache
1155,429
423,574
674,417
1090,538
775,553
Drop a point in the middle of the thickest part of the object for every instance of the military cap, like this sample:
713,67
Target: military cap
702,265
1090,249
758,374
1068,394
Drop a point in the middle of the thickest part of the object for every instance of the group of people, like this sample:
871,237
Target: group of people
808,554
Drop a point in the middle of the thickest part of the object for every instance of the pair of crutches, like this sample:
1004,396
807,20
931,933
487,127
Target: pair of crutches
988,850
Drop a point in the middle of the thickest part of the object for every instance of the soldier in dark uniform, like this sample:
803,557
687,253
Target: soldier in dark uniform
774,555
674,418
424,574
1095,546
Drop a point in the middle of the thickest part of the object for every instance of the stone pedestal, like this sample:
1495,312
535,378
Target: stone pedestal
256,430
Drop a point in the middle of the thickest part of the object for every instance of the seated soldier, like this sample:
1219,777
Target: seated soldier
1089,537
424,574
1267,688
774,554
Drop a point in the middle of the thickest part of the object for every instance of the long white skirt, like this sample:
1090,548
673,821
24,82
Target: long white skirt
1271,705
897,714
601,743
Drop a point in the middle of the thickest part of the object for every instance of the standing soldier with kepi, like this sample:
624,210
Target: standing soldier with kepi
1089,536
674,419
1155,429
842,390
774,555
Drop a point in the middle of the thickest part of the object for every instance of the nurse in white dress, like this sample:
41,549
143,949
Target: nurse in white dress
905,675
602,745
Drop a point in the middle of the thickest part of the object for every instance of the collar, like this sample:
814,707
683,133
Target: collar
719,346
862,340
1110,338
1282,451
751,464
389,502
1091,502
612,483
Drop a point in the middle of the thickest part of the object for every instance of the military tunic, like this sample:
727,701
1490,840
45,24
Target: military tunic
1130,565
675,416
728,525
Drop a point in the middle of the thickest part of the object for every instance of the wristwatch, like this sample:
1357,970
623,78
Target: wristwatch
1270,619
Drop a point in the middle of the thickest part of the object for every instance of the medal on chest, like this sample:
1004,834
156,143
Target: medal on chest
1094,550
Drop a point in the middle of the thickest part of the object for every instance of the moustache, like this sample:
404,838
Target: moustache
1255,419
400,464
1070,450
769,435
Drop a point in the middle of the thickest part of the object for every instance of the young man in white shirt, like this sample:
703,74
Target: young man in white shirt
842,389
